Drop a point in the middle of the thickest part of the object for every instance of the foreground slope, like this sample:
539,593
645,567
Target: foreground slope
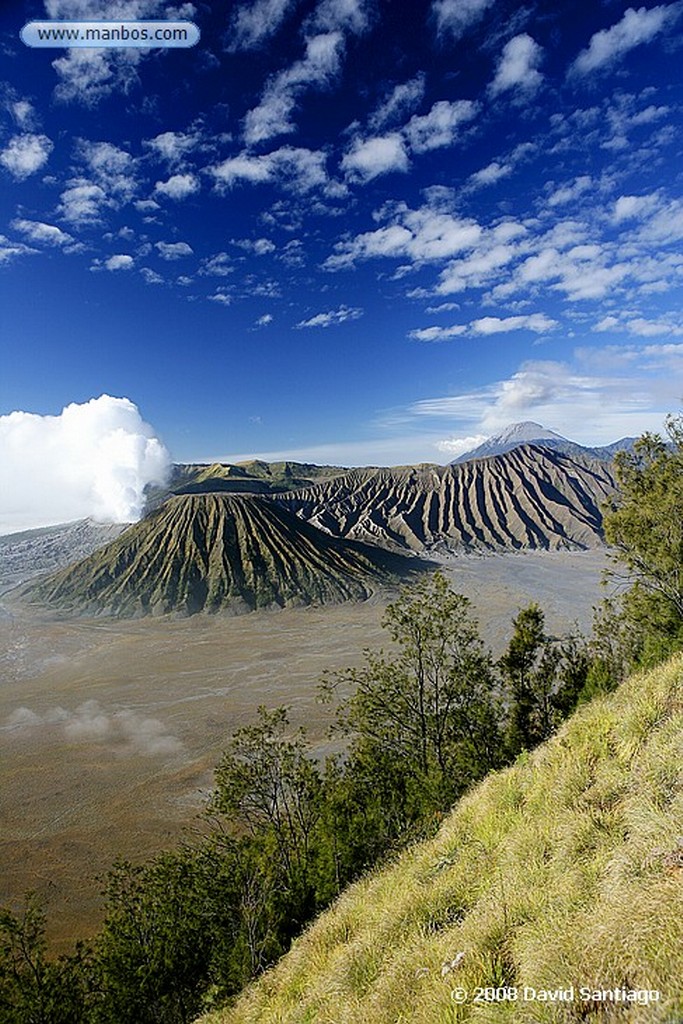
564,870
530,497
211,552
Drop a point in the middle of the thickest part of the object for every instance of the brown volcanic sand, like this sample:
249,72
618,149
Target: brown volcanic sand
81,787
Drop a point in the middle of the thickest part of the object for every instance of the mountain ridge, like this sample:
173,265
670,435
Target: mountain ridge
216,552
529,432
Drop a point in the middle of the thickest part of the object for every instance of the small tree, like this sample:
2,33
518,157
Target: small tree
644,524
545,679
268,787
424,718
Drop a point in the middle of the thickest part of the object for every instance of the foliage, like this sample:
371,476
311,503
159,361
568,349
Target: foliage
423,720
645,526
564,869
545,678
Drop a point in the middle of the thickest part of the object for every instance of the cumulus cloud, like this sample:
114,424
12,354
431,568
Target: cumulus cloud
454,447
125,731
178,186
440,126
455,17
369,158
93,459
257,246
82,202
292,168
120,261
25,154
174,250
172,147
635,28
518,66
42,234
332,317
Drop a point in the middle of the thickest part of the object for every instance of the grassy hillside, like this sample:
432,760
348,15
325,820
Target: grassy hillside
564,870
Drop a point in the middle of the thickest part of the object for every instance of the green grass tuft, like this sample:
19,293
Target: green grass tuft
564,870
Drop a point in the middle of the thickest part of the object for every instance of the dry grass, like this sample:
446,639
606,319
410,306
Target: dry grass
564,870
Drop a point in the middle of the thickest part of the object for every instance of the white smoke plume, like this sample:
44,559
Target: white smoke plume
125,731
94,459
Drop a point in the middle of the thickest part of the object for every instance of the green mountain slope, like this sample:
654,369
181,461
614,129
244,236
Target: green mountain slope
562,873
211,552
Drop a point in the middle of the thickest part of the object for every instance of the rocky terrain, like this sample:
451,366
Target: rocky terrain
530,497
216,552
33,552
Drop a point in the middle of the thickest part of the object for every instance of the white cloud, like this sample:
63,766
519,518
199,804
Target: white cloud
178,186
454,447
342,15
539,323
173,146
88,75
589,408
150,276
112,168
369,158
422,235
220,297
635,28
440,126
518,66
173,250
40,233
23,113
455,17
25,154
93,459
568,193
292,168
438,333
10,250
120,261
634,207
257,246
255,23
320,65
401,101
82,202
220,265
332,317
490,174
264,320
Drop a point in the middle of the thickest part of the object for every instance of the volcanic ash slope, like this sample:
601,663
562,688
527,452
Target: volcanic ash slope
530,497
212,552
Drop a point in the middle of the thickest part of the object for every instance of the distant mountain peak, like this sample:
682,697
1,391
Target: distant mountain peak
526,430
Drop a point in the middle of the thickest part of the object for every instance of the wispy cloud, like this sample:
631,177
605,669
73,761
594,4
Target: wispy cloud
331,317
635,28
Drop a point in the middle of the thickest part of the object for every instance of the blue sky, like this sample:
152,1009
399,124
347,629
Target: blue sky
347,231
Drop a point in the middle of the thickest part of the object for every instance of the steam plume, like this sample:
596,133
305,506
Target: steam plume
94,459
